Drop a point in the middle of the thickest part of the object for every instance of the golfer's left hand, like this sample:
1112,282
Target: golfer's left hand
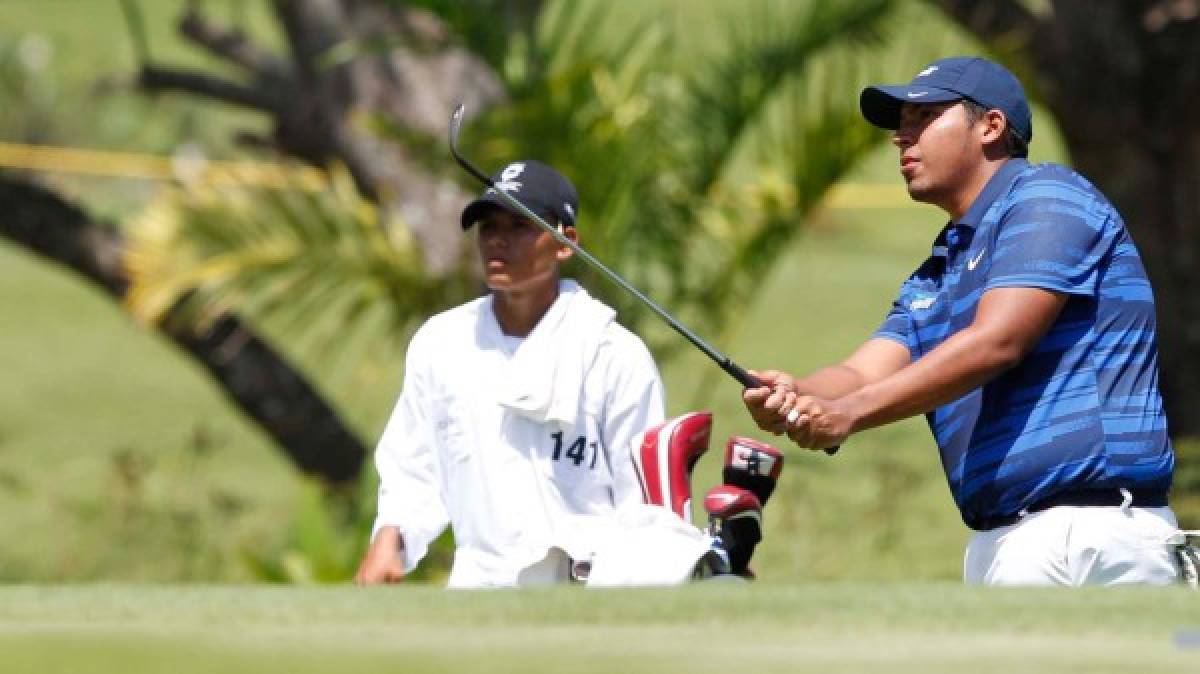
815,423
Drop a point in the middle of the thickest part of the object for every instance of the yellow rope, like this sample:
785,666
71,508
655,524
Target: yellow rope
154,167
280,176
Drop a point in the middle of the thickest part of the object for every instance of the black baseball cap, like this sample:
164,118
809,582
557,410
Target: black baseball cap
542,189
950,79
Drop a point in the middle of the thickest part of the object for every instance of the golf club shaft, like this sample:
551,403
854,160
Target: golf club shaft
743,377
734,370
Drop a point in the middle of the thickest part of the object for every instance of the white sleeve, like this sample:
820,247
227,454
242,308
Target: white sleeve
635,403
410,494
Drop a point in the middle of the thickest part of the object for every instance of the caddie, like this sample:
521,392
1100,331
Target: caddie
518,424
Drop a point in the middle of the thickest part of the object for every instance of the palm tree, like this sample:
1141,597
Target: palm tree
696,169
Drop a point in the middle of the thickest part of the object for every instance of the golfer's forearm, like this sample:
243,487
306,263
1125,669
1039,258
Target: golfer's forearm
959,365
831,382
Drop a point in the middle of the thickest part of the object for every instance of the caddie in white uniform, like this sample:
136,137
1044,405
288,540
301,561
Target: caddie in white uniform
518,409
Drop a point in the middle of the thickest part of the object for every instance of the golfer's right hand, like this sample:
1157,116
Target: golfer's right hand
382,563
764,402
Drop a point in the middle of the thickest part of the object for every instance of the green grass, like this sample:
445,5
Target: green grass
111,442
699,628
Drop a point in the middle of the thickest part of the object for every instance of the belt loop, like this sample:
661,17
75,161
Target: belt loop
1126,500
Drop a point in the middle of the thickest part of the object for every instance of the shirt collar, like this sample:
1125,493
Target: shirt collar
997,184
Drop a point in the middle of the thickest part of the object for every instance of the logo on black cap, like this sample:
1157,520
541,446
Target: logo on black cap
539,187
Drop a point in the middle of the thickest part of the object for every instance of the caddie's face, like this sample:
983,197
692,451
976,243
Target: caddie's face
517,254
939,150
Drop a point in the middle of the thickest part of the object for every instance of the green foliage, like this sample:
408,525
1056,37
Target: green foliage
158,514
318,263
695,171
1185,492
326,537
30,88
489,28
322,544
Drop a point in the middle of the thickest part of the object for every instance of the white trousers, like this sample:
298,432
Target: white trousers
1074,546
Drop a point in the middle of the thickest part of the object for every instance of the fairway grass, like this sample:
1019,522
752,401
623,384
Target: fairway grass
700,628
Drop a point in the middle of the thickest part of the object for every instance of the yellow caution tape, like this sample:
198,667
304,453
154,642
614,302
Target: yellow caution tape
182,168
185,168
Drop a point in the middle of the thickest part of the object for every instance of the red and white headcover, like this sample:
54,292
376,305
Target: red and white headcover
665,458
753,457
727,502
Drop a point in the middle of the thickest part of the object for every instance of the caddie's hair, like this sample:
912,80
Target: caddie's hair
1011,144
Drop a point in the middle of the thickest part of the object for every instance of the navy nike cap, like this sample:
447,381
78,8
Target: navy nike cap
950,79
542,189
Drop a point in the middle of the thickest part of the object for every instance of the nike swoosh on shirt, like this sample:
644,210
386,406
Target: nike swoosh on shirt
971,264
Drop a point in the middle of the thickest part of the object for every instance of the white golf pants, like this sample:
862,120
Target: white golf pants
1073,546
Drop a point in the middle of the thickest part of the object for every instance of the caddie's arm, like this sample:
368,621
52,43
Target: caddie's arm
384,559
1008,323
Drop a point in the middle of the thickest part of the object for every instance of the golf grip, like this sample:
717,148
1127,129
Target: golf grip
750,381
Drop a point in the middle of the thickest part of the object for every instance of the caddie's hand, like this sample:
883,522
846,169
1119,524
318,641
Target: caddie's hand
814,423
763,403
382,562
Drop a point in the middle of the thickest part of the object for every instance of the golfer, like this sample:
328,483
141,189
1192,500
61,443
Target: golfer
1027,338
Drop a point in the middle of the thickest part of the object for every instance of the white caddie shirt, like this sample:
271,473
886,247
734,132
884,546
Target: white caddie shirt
508,482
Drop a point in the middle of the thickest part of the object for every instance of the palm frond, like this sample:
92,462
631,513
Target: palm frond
310,263
776,42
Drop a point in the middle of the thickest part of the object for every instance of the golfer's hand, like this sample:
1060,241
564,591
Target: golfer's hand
764,402
814,423
382,562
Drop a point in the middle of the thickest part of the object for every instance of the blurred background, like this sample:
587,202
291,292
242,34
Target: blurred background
221,220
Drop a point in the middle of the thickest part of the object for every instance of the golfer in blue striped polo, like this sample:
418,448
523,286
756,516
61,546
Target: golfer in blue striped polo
1027,339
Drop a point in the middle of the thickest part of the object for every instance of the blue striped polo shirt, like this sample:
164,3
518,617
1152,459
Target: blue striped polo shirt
1082,410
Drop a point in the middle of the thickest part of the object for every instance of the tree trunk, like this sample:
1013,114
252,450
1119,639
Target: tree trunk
1122,78
353,64
253,376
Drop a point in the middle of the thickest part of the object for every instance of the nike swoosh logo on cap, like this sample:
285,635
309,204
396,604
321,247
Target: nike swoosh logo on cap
917,94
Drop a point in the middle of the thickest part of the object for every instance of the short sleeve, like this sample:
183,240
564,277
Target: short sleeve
1055,236
896,326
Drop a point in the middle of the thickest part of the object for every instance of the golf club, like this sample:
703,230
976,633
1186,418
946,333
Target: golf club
733,369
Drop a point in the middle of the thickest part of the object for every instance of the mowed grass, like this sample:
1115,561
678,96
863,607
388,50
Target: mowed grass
713,627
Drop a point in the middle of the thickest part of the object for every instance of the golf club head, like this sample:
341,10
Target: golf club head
456,121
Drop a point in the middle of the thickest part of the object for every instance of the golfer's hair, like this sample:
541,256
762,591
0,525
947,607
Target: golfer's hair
1012,144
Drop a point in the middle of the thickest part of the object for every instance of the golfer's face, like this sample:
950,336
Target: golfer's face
516,253
935,148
